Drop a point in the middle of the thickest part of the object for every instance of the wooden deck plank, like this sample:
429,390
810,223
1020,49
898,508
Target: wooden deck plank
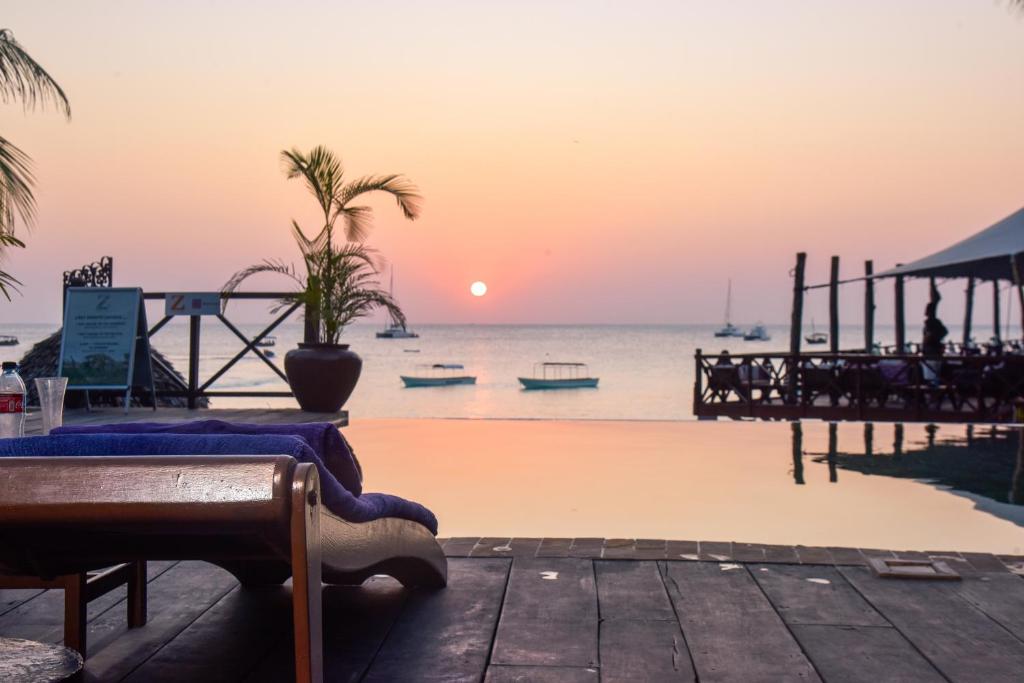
811,555
957,638
586,547
549,617
650,549
639,635
632,590
446,633
644,650
783,554
853,654
11,598
682,550
176,599
541,674
554,547
732,630
40,616
220,644
814,595
1000,596
716,551
492,547
357,619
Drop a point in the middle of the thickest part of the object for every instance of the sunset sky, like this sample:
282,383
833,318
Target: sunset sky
604,162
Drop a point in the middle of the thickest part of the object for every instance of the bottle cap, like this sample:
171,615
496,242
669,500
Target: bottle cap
9,365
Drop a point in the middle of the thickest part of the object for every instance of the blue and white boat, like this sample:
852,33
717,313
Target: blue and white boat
559,376
438,375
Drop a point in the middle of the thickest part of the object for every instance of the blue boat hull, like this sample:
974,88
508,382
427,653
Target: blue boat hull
411,382
575,383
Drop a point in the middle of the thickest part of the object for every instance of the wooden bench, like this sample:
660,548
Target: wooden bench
65,516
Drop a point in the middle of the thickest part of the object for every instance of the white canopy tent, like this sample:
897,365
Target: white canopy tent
987,255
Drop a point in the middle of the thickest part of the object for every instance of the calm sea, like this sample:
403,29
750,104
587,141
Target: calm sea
646,372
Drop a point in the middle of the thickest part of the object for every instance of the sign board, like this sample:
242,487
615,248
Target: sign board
192,303
105,342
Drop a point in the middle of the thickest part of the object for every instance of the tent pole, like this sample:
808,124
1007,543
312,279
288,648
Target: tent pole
968,311
796,321
869,307
996,324
1020,289
901,327
833,307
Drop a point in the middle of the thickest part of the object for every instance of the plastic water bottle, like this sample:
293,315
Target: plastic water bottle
12,402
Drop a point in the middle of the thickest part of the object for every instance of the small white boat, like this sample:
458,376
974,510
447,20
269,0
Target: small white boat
396,330
729,330
438,375
816,337
559,376
757,333
267,341
8,340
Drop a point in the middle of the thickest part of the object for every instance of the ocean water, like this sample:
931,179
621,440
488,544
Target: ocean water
646,371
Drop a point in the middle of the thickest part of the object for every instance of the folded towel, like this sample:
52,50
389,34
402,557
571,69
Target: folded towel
337,498
323,437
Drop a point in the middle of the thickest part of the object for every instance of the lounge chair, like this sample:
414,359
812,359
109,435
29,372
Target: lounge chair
261,516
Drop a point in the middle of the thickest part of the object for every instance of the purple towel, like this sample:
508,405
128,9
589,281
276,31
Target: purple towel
336,497
323,437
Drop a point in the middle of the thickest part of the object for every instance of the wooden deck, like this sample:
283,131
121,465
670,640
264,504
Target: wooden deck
575,610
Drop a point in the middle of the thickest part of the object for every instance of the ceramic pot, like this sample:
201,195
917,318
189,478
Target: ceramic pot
322,376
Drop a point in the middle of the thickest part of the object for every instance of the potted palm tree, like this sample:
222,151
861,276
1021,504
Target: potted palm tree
340,281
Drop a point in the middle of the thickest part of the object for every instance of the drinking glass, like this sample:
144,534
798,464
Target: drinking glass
51,401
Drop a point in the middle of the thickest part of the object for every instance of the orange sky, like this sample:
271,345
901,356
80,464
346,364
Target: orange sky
590,161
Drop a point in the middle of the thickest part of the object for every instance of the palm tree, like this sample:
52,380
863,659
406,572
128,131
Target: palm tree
338,280
24,80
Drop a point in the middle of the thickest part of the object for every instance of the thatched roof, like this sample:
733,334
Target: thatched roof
41,361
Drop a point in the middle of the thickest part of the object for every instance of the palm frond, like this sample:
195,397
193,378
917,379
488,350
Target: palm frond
22,78
267,266
8,282
322,172
406,194
16,180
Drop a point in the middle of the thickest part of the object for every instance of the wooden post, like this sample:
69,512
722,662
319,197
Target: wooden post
193,360
996,323
968,311
901,325
798,452
869,307
833,306
796,324
833,447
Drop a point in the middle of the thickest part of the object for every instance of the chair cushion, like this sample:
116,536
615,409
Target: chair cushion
324,438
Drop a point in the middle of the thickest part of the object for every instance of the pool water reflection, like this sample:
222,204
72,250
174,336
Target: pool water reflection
909,487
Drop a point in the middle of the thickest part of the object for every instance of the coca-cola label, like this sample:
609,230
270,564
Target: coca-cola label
12,403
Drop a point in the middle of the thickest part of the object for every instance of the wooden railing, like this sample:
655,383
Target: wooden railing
194,388
857,386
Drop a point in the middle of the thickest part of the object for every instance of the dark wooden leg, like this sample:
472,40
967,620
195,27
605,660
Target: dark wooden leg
306,587
75,611
137,594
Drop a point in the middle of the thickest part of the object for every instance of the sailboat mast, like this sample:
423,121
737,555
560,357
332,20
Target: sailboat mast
728,302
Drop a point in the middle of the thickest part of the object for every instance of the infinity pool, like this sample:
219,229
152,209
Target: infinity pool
913,487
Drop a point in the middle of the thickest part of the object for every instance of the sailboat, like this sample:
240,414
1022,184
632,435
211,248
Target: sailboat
815,337
729,330
395,329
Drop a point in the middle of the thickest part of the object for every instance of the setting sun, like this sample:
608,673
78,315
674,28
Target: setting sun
478,288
